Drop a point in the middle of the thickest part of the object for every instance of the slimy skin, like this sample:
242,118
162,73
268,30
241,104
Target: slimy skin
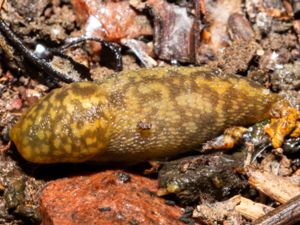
139,115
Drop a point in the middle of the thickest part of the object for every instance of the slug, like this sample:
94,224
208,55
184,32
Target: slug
137,116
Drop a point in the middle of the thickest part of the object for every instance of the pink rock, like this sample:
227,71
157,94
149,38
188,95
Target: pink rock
14,104
111,20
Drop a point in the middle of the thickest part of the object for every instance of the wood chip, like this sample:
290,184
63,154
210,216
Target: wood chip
252,210
276,187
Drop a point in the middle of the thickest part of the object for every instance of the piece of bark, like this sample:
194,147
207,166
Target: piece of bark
252,210
210,213
276,187
173,31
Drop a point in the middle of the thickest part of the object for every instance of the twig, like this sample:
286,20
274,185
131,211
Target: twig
40,63
286,214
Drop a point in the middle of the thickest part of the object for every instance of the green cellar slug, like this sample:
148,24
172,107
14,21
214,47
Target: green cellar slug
138,115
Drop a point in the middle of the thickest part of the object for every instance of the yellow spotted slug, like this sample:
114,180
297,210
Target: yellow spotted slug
138,115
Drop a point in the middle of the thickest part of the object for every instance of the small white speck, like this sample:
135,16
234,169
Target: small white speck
260,52
92,25
274,56
279,66
266,91
174,62
39,49
55,31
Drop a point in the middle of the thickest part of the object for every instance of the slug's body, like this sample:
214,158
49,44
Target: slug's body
137,116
